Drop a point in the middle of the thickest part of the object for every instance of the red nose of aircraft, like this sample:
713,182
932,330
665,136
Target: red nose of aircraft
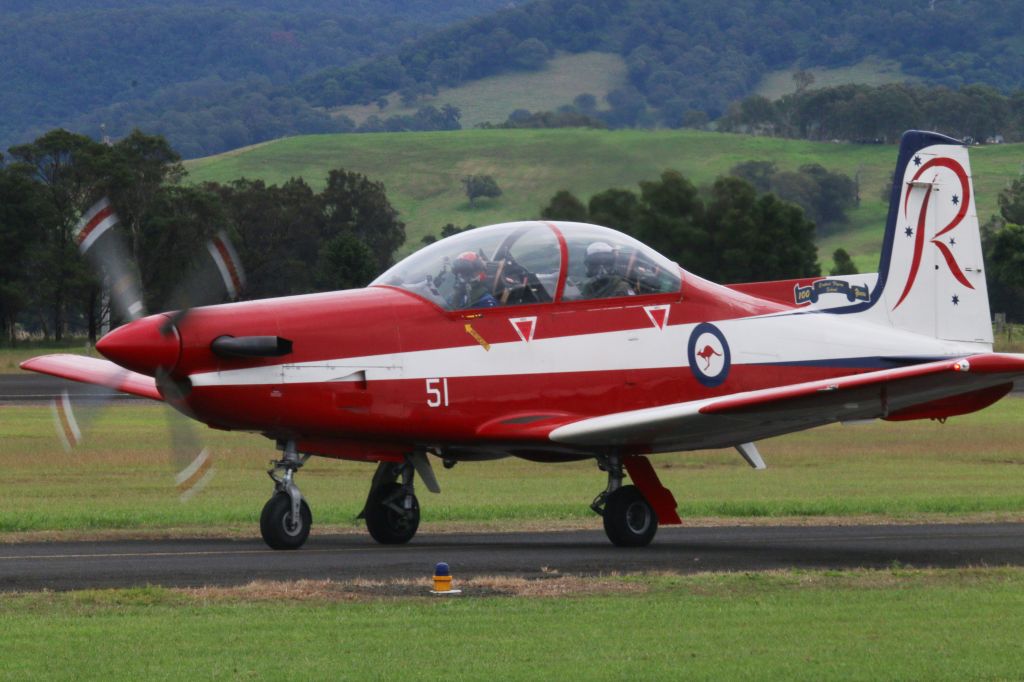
144,345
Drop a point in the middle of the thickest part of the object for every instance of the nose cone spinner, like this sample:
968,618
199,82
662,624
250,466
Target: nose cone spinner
144,345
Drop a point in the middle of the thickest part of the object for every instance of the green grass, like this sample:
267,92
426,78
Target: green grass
422,171
861,625
492,99
121,478
871,71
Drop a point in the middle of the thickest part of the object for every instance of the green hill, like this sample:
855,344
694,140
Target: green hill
422,171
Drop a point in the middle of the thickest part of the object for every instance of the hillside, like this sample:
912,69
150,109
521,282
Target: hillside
213,76
422,171
491,99
870,71
685,56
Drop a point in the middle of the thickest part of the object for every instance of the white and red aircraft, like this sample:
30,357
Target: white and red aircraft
557,341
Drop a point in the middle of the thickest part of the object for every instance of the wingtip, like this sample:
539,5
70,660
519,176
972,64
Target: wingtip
32,364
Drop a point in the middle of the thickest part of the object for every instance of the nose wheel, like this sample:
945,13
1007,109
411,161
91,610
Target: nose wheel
281,529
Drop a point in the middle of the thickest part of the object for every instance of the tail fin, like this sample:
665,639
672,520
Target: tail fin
930,278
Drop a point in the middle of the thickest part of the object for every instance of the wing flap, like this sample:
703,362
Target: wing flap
743,417
94,371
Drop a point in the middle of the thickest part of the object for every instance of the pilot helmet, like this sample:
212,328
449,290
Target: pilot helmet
468,265
599,256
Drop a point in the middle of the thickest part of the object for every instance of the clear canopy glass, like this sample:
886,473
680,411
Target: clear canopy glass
520,263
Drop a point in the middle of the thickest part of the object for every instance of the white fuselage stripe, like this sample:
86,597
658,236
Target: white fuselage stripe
757,340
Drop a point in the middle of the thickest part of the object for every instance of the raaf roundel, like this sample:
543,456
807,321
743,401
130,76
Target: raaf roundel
556,341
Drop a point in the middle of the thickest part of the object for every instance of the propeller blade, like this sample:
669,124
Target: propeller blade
73,419
218,276
104,247
65,421
193,462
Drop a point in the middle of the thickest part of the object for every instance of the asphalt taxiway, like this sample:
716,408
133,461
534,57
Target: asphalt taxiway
77,565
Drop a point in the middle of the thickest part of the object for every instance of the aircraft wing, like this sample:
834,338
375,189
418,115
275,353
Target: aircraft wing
917,391
94,371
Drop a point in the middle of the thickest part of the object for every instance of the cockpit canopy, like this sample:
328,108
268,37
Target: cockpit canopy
521,263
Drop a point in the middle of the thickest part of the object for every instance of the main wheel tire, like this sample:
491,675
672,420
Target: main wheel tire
629,519
276,523
386,525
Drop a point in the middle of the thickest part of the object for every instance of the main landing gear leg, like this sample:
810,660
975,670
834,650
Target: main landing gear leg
630,518
286,518
392,512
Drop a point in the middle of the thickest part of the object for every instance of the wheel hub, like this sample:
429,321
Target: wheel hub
638,517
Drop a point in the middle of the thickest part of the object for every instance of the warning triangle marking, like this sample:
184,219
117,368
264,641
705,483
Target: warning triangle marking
524,326
658,315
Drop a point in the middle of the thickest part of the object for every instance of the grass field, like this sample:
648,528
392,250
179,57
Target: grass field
493,99
422,171
120,478
859,625
871,71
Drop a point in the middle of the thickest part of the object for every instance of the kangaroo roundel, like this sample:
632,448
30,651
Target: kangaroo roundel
708,354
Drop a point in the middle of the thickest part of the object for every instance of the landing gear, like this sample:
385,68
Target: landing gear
392,516
629,519
286,518
392,512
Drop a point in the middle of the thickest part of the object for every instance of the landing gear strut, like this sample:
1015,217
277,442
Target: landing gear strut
286,518
629,519
392,512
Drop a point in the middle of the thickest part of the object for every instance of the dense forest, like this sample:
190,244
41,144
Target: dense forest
212,77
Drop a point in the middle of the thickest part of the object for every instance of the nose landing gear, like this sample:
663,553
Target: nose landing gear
286,518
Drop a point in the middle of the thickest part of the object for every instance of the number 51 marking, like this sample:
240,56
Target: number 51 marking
437,392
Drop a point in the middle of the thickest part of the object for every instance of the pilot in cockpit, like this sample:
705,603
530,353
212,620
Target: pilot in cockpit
603,280
471,290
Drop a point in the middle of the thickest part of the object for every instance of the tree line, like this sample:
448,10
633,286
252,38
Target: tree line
290,238
864,113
